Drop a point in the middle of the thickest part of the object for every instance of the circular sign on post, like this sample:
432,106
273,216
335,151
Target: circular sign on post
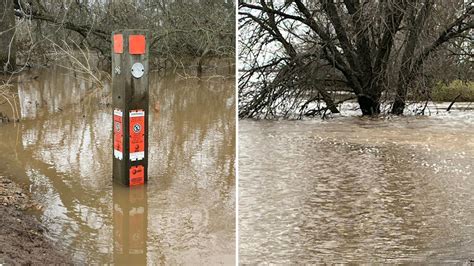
136,128
138,70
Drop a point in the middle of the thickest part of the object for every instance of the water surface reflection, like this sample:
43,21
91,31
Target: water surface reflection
130,224
357,190
61,151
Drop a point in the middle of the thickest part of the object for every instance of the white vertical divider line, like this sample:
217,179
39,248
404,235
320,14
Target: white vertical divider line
236,167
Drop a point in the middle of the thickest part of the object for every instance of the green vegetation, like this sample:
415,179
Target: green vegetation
443,92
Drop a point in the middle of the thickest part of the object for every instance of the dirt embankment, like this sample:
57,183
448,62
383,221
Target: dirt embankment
22,239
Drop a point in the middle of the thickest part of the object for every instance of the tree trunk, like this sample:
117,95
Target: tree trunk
329,102
369,104
398,105
400,98
7,42
333,108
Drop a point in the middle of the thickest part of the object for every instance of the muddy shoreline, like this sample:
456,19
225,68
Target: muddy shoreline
22,239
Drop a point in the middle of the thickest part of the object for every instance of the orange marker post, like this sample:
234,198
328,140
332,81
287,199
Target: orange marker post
130,106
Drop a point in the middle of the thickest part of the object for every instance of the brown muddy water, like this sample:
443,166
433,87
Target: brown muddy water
62,151
351,189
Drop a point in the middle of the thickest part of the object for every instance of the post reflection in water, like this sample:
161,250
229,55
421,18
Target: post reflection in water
130,224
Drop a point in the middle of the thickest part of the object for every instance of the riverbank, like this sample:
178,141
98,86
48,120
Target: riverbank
22,239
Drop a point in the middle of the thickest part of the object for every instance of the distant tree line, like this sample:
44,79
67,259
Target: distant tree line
29,30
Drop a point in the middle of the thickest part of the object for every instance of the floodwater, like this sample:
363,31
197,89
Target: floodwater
62,152
352,189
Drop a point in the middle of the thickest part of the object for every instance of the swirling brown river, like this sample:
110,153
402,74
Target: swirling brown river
62,152
351,189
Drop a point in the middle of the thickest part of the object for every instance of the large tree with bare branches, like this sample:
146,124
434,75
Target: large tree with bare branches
296,52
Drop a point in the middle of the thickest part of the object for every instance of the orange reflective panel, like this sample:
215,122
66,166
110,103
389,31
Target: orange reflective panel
118,43
136,44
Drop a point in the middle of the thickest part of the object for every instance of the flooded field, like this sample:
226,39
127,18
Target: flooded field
351,189
62,152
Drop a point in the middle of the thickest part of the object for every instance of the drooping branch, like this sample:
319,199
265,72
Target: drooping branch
84,30
291,73
273,25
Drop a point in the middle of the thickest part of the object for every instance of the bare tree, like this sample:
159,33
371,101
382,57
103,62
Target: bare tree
375,48
7,36
180,29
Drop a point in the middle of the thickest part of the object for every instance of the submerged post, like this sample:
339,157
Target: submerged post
130,106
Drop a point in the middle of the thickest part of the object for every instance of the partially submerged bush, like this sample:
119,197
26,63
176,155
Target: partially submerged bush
443,92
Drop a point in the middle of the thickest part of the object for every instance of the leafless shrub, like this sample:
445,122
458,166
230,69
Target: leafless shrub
180,29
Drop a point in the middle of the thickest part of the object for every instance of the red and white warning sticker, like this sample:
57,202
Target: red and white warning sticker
137,175
137,135
118,134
